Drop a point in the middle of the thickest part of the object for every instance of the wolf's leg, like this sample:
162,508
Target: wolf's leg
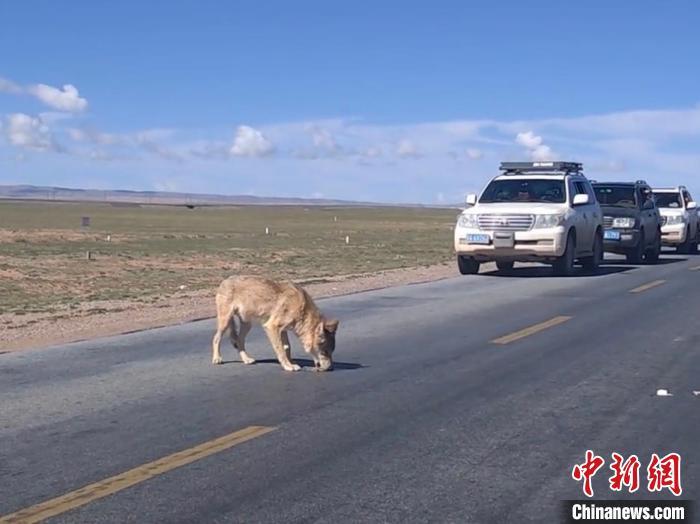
233,332
274,333
222,324
287,346
243,332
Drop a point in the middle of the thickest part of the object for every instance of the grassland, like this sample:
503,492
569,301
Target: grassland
145,253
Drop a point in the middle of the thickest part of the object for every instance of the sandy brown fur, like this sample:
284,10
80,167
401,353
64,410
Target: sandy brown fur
279,307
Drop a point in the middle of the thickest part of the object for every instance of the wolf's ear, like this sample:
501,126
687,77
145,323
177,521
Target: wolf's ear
331,325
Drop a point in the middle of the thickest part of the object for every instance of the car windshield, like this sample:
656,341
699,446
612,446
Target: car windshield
621,196
668,200
524,190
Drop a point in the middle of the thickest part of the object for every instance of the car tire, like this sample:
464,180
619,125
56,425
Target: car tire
564,265
504,266
636,255
652,255
592,263
685,247
467,265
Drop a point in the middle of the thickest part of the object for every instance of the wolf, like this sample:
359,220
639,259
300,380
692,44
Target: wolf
279,307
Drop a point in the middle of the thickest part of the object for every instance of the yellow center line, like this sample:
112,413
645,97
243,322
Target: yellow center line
694,268
103,488
507,339
646,286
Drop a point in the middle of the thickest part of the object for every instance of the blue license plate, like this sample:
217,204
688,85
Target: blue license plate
611,235
478,239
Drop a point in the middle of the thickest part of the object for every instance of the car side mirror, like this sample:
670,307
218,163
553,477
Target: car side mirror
471,199
581,200
691,205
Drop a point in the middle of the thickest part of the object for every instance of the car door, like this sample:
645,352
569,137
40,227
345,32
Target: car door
692,214
585,217
649,215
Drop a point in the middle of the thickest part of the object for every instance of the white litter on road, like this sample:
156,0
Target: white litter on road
696,393
663,393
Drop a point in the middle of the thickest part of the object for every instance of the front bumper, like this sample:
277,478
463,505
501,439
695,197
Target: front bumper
532,245
673,235
629,239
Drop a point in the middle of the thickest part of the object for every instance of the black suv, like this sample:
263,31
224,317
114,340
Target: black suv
631,220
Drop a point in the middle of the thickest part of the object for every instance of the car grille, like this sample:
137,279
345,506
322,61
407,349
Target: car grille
664,219
506,222
607,222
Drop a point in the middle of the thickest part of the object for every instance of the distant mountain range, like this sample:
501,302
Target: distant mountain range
64,194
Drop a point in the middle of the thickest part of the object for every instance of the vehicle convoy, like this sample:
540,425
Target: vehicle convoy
679,218
631,220
534,211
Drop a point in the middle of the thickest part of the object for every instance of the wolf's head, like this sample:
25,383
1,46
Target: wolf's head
325,343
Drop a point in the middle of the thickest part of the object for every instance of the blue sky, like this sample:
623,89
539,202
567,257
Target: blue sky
388,101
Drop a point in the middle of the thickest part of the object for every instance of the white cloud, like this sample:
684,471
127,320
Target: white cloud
66,99
208,150
28,132
92,136
150,141
542,152
407,149
250,142
324,140
528,140
372,152
538,151
8,86
474,154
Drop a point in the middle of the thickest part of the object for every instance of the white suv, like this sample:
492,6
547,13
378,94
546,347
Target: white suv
535,211
679,219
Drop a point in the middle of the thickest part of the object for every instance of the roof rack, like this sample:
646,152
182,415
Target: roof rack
518,168
668,189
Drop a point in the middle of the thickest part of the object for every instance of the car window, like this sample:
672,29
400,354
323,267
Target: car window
524,190
616,195
672,200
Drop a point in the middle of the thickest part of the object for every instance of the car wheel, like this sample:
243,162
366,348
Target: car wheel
636,255
564,265
684,248
652,256
592,264
467,265
504,266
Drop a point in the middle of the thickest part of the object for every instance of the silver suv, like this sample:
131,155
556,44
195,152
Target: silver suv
679,218
534,211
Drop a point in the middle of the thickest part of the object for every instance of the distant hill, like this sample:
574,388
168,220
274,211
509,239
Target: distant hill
64,194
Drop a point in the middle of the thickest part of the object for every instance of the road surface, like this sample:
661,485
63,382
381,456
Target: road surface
464,400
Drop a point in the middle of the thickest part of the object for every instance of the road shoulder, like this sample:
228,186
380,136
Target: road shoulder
116,318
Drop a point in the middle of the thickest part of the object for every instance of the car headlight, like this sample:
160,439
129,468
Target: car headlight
624,222
468,220
548,221
674,219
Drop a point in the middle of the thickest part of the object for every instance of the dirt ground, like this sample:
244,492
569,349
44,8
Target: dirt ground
113,317
140,266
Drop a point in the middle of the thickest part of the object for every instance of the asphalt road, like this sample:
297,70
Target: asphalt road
425,418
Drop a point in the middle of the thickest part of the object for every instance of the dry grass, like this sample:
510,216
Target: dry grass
154,250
